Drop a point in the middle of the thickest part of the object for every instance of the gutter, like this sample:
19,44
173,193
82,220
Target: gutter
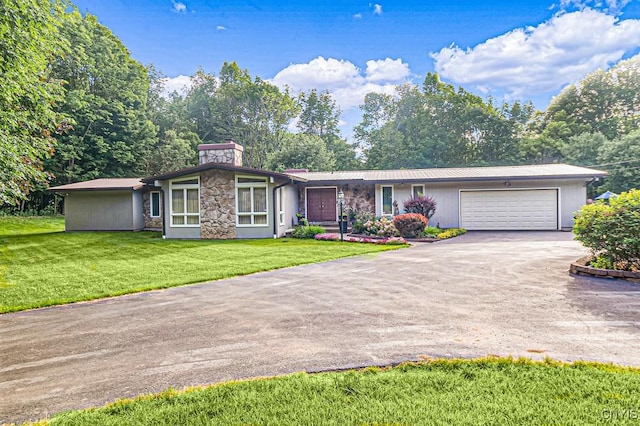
276,211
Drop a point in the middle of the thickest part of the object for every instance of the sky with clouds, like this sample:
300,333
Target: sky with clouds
504,49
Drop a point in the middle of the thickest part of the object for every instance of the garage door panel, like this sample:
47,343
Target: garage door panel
535,209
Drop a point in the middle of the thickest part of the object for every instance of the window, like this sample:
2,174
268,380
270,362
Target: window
281,206
154,205
251,199
417,190
185,203
387,200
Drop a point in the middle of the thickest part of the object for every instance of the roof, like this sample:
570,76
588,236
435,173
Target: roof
222,166
108,184
541,171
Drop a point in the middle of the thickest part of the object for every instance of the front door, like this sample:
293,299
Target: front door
321,205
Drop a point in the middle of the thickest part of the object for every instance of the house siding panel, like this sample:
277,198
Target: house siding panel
100,211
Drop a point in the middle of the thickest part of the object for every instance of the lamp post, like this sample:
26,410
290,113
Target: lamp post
341,205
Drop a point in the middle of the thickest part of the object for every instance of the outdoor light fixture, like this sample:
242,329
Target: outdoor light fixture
340,219
507,184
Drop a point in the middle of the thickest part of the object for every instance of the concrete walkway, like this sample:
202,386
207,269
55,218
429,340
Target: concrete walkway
479,294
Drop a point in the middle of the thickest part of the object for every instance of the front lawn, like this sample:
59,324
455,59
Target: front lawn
41,266
443,392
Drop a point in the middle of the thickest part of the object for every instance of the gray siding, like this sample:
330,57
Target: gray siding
101,211
572,195
137,212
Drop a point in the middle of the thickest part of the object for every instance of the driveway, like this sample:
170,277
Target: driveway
479,294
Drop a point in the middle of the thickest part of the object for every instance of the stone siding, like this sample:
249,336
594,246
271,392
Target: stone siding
360,197
217,205
228,153
150,223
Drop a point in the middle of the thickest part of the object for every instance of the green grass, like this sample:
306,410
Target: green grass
444,392
41,266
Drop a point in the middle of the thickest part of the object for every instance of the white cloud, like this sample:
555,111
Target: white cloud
387,70
377,9
535,60
180,84
611,6
220,28
346,82
179,7
357,16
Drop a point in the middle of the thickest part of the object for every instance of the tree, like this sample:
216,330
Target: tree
438,126
320,116
301,151
606,102
582,150
106,96
621,159
29,39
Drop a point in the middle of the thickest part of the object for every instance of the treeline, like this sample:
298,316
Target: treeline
74,106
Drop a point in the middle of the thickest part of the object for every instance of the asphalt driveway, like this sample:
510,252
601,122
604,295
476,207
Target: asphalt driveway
479,294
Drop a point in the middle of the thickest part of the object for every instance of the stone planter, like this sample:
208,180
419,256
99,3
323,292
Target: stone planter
580,267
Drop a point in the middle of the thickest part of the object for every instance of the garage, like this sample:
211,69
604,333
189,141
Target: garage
513,209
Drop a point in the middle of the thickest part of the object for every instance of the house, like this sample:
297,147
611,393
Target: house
221,199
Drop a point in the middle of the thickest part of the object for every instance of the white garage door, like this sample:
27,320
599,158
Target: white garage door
532,209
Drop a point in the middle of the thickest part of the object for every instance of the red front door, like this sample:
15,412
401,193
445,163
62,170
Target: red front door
321,205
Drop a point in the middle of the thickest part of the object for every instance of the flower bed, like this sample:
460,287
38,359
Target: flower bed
354,239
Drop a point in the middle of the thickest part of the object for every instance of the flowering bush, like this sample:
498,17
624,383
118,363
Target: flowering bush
386,241
426,206
451,232
360,219
381,227
410,225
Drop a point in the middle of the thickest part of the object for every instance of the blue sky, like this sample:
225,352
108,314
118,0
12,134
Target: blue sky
506,49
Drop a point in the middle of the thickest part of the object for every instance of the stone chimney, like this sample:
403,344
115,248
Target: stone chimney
228,152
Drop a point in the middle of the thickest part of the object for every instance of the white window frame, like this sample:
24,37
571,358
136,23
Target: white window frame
176,184
413,194
281,206
252,214
382,199
151,194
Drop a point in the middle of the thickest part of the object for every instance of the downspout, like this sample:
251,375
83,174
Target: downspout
276,211
164,234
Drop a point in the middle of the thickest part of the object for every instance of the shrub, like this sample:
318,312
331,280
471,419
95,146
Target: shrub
360,219
302,231
450,233
410,225
431,231
612,231
381,227
426,206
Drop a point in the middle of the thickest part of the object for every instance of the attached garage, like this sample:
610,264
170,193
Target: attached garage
509,209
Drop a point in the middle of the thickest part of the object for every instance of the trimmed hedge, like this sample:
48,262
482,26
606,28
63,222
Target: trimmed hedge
410,225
